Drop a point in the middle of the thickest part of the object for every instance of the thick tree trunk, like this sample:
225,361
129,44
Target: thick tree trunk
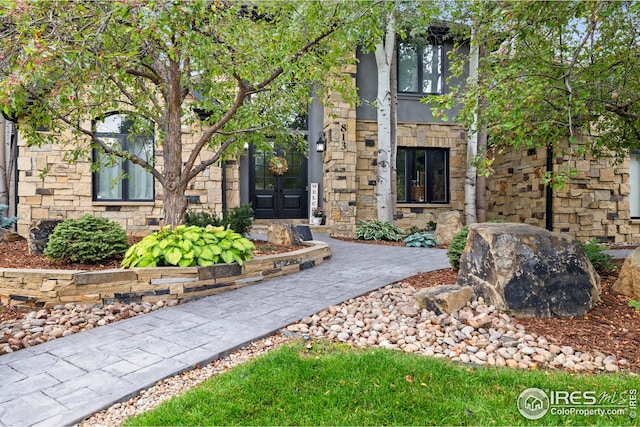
175,179
384,54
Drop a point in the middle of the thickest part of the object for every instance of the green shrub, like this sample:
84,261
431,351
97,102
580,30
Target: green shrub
6,222
456,247
187,246
421,240
238,219
595,253
201,219
378,230
87,240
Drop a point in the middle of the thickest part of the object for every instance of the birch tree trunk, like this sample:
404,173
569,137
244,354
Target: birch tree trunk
4,172
470,179
384,58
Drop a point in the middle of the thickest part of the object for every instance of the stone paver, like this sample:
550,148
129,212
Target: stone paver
65,380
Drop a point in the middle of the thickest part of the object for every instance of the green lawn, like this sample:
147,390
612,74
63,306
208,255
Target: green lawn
332,384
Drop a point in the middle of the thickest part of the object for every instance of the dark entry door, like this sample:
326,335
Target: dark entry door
279,196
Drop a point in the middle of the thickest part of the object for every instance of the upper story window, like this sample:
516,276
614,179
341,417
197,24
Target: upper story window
420,68
422,175
118,179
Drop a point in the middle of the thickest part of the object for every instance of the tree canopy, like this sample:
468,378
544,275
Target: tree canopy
552,72
250,67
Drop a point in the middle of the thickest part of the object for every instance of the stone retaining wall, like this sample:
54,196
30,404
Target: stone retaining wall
40,288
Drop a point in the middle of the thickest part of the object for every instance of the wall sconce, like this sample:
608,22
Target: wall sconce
321,143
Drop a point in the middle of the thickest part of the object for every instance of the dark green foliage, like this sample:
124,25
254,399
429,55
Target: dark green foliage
595,252
6,222
87,240
421,240
201,219
238,219
378,230
456,247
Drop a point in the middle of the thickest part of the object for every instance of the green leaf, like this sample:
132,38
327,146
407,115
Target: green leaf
173,255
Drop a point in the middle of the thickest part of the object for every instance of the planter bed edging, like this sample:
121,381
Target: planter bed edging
31,288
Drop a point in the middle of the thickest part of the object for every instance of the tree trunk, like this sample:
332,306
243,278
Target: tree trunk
472,143
4,172
384,54
175,179
394,134
481,181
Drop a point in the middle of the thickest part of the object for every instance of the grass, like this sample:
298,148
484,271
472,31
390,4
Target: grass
334,384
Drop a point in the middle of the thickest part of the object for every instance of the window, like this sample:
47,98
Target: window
118,179
423,175
420,68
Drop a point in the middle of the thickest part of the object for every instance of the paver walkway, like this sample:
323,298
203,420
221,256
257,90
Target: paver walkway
65,380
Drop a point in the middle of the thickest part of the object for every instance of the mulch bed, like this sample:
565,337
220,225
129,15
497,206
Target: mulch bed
612,327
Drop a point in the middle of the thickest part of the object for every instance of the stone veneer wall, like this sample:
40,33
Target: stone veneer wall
427,135
65,191
339,164
29,288
593,205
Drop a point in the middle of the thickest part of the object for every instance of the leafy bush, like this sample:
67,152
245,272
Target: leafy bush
6,222
456,247
238,219
87,240
186,246
202,219
595,253
421,240
378,230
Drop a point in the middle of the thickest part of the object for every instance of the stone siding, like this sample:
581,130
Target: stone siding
427,135
39,288
339,164
52,188
594,204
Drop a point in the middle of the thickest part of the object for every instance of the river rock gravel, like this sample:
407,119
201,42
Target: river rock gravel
477,335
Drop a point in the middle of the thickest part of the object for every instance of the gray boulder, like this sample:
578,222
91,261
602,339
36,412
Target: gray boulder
39,234
529,271
284,234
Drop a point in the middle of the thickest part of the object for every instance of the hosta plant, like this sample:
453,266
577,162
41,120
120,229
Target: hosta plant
378,230
420,240
187,246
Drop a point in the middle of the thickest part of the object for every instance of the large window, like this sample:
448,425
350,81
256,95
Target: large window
420,68
118,179
423,175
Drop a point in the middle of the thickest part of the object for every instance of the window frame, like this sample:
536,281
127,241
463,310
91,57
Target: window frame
410,168
419,48
124,139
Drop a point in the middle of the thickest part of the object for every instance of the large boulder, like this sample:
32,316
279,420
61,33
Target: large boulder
526,270
39,234
628,282
448,224
284,234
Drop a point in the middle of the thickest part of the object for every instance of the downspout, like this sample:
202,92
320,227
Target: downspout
549,191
